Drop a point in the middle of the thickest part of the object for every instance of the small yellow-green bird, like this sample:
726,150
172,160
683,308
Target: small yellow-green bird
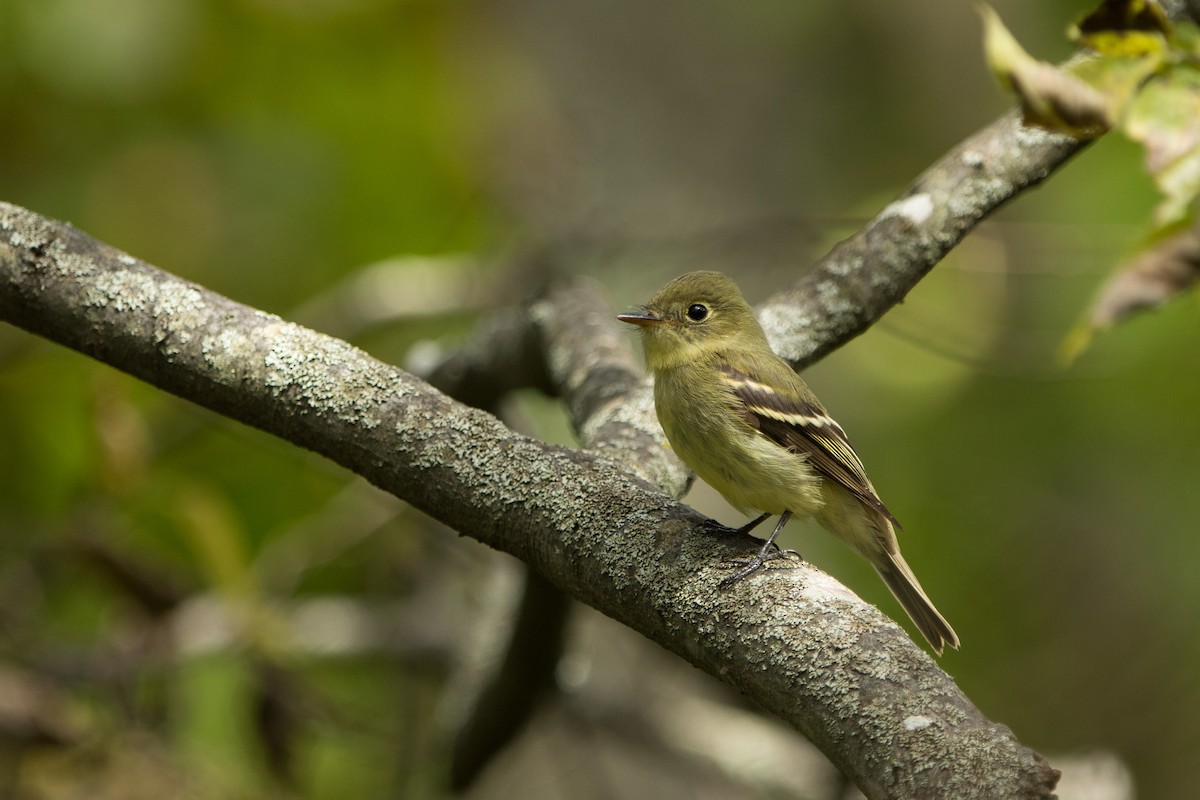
746,423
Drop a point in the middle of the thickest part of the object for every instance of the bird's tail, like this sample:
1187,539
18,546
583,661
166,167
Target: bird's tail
904,585
869,532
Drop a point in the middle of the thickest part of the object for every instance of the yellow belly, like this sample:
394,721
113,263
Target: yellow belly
749,470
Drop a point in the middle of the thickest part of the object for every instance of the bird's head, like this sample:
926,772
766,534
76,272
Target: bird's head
694,317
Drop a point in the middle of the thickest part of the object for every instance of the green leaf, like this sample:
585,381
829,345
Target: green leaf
217,539
1119,78
1185,38
1165,119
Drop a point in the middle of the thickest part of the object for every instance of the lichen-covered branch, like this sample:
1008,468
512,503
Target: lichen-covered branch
796,642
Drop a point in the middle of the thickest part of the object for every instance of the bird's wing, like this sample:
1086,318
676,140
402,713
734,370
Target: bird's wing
803,427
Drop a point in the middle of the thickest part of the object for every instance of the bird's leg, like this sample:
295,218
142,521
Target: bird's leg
717,527
754,523
769,551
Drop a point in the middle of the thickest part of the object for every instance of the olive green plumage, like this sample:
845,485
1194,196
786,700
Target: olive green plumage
750,427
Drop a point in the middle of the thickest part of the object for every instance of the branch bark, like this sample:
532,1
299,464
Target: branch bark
795,641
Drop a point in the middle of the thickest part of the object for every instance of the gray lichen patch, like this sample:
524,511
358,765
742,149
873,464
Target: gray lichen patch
330,376
73,266
788,329
833,298
179,299
844,266
984,192
229,352
180,310
25,230
120,290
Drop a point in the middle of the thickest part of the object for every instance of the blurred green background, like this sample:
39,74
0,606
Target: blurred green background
190,608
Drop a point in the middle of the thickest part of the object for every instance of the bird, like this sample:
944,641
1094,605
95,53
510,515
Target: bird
742,419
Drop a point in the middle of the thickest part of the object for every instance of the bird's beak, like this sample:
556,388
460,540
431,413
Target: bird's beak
644,318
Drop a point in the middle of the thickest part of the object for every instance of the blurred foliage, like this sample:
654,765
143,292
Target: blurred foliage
1141,78
207,612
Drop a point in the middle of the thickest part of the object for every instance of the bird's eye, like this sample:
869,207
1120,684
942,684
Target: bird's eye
697,312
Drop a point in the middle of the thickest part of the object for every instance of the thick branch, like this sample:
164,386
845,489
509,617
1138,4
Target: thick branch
796,642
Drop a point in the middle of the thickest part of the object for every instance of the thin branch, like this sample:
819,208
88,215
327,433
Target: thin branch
502,355
796,642
593,366
862,277
603,384
524,676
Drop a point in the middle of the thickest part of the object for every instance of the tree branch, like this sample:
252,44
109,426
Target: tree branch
591,364
865,275
504,354
795,641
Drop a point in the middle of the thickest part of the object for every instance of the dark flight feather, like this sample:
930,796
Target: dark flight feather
804,428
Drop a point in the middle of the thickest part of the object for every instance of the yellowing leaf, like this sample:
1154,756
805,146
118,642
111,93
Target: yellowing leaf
1004,53
1125,44
1050,98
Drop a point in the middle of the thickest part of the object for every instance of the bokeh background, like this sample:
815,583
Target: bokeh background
190,608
